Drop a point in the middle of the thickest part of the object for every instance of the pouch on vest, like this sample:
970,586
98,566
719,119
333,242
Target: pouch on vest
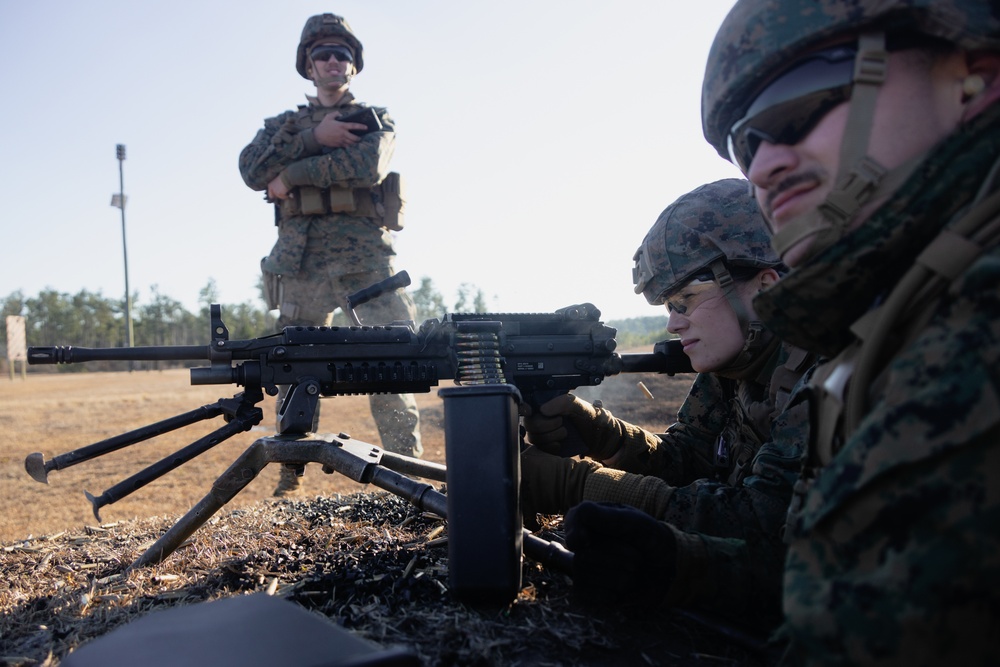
272,287
389,198
311,201
341,200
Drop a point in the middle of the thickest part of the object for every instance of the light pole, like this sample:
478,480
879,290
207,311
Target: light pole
119,201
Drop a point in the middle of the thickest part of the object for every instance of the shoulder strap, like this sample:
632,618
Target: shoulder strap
944,259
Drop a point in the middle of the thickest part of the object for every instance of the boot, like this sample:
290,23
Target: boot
290,481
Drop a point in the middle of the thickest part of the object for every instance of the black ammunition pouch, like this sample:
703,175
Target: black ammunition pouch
389,199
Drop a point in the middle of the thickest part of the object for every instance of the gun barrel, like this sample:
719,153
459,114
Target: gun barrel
667,357
72,355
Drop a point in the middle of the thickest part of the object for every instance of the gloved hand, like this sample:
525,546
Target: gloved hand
620,554
568,425
551,484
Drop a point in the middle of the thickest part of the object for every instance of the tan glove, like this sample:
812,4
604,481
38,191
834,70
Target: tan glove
551,484
568,425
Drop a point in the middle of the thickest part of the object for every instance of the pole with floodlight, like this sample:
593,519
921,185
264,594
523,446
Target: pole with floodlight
119,201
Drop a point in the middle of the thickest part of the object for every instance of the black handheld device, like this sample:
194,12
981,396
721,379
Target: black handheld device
367,117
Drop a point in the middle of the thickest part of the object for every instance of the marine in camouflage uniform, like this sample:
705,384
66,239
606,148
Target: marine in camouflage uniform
894,529
330,188
721,476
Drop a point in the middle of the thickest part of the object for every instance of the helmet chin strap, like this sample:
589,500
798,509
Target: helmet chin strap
339,79
859,177
756,336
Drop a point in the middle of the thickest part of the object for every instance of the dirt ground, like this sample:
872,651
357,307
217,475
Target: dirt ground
57,413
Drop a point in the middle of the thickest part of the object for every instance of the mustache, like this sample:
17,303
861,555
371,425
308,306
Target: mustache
792,181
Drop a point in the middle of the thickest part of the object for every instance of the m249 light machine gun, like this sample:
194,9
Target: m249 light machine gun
497,362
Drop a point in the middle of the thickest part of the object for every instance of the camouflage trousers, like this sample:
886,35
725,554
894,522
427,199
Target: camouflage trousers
310,298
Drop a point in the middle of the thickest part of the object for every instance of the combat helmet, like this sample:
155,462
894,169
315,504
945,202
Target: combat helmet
762,39
714,231
717,222
759,38
324,26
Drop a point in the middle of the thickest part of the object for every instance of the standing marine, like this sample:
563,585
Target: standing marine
325,166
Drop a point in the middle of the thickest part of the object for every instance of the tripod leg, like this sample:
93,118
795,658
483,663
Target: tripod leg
235,479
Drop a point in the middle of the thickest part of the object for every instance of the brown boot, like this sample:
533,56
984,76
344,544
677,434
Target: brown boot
290,481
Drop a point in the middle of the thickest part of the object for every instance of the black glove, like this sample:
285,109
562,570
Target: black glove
568,425
621,555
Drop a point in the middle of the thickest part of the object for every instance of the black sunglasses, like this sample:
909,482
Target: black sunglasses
323,53
791,105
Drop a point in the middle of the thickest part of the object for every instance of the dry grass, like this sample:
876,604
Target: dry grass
369,561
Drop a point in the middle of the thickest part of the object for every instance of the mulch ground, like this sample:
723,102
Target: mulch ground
370,562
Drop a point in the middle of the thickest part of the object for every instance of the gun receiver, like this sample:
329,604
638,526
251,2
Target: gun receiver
497,362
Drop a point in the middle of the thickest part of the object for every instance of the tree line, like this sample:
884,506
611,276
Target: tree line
89,319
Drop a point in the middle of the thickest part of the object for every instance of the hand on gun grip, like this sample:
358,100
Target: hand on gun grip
620,554
568,425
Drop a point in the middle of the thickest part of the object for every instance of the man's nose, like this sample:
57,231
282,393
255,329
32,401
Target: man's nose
769,161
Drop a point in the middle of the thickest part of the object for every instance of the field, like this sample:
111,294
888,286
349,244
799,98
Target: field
62,568
57,413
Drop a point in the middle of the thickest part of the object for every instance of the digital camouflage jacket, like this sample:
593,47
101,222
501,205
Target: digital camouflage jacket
721,477
323,179
894,530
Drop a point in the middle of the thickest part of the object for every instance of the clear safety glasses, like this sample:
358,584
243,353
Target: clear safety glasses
692,295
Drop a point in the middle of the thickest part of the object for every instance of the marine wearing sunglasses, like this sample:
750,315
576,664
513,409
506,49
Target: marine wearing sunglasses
324,52
790,107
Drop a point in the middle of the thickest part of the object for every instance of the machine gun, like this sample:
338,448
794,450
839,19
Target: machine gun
497,362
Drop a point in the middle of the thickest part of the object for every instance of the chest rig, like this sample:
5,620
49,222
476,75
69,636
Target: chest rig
842,390
384,203
753,408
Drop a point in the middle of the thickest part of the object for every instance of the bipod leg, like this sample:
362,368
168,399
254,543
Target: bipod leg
244,416
36,465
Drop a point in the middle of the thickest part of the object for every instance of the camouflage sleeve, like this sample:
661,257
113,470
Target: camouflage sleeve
276,146
894,553
753,510
362,165
282,147
686,451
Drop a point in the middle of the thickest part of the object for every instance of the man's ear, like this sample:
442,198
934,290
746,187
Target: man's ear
766,278
982,84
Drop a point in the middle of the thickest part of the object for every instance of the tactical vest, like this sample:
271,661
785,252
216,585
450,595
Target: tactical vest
384,202
752,416
840,390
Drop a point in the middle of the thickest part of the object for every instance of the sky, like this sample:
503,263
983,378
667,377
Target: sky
539,140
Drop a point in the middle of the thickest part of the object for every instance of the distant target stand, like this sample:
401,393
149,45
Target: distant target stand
17,349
